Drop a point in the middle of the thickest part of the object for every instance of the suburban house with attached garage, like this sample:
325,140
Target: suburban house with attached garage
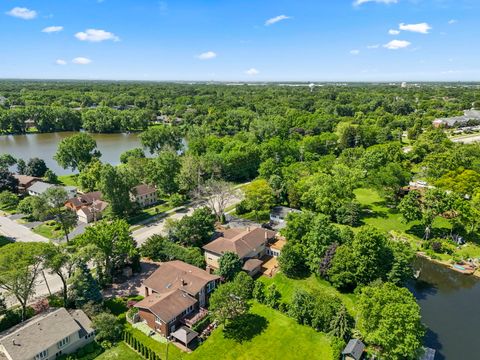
144,195
47,336
25,181
38,188
249,244
89,206
176,294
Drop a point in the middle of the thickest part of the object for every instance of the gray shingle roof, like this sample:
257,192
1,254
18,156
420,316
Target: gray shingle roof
185,335
43,331
40,187
354,348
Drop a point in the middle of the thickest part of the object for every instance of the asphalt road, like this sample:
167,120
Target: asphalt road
17,232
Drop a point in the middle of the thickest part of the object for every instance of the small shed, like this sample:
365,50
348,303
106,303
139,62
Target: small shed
186,336
252,266
353,350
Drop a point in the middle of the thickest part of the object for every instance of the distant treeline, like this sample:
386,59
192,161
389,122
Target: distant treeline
225,110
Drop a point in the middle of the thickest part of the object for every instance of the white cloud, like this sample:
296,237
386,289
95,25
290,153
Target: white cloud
276,19
60,62
252,72
81,61
361,2
52,29
207,55
452,21
397,44
373,46
96,35
22,13
422,28
393,32
354,52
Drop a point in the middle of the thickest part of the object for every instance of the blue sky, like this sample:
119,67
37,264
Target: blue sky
241,40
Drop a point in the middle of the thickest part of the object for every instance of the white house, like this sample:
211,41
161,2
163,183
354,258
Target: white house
47,336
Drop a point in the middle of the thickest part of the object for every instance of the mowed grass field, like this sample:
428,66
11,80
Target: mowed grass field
280,338
119,352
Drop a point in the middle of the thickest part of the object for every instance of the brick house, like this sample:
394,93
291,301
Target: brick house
176,294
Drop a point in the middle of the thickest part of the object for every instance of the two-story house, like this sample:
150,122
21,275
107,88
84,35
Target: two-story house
176,294
249,244
89,206
47,336
144,195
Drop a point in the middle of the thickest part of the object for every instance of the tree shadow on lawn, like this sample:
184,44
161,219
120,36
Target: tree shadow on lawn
435,232
245,327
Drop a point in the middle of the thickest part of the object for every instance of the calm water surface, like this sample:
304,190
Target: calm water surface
44,146
450,306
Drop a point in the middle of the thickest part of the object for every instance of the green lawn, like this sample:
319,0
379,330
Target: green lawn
287,287
68,180
150,212
279,337
376,213
48,230
120,352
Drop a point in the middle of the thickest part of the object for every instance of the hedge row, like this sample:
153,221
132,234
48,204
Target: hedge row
136,343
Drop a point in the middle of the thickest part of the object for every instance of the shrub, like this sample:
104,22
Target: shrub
13,317
116,306
202,324
242,208
55,301
107,328
177,200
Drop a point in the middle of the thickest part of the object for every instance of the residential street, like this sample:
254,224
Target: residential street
17,232
157,227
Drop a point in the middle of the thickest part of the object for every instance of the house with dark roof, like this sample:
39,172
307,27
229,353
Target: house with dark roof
249,244
278,214
144,195
176,294
47,336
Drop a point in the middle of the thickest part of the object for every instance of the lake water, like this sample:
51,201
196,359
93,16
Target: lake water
44,146
449,304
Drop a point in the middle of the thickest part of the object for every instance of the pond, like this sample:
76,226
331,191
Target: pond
44,146
449,304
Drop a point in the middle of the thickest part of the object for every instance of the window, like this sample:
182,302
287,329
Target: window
62,343
157,320
41,355
210,286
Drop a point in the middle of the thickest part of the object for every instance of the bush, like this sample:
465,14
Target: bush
116,306
202,324
107,328
13,317
55,301
337,346
440,246
177,200
8,200
242,208
158,248
88,352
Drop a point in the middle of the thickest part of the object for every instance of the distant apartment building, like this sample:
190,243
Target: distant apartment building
468,115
